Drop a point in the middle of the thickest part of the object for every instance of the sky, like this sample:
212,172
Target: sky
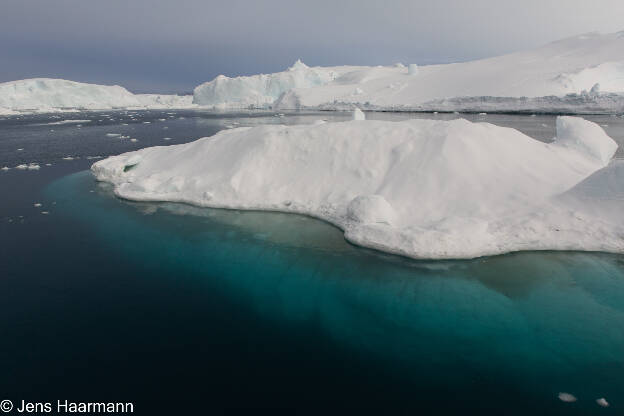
173,46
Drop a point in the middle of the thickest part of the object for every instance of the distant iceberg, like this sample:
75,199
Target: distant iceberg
47,94
420,188
581,74
262,90
545,79
559,77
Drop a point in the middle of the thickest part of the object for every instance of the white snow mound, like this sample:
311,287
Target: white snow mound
420,188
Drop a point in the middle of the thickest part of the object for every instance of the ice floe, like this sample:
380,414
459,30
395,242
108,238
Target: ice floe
420,188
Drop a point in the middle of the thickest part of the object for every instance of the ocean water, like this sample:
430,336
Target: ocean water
185,310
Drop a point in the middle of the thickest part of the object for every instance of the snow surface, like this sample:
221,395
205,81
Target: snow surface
420,188
47,95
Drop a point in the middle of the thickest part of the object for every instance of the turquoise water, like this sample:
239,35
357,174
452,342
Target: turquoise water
503,334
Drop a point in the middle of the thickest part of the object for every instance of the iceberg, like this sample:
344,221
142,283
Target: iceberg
419,188
553,78
48,95
259,91
581,74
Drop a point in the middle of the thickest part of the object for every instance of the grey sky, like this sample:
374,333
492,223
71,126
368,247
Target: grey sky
174,45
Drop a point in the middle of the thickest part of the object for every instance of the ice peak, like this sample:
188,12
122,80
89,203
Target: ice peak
298,65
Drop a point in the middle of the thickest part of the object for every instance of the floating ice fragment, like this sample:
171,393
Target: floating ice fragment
37,204
412,69
567,397
358,114
602,402
45,212
133,140
166,138
5,168
68,158
69,122
113,134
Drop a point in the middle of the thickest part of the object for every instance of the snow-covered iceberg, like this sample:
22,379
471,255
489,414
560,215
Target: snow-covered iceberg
420,188
582,74
569,68
47,94
261,90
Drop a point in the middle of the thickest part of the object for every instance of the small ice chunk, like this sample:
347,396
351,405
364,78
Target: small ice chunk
33,166
45,212
602,402
166,138
358,114
113,134
37,204
133,140
567,397
21,167
412,69
5,168
68,158
20,149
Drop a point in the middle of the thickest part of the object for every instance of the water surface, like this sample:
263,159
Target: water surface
181,309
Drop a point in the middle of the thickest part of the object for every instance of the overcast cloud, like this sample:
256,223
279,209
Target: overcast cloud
174,45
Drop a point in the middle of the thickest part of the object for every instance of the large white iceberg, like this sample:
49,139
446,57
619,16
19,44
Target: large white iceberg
261,90
420,188
47,94
553,78
550,77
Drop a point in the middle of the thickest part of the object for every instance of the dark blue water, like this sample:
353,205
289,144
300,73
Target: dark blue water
184,310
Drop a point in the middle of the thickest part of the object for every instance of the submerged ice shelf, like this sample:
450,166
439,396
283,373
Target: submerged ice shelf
420,188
